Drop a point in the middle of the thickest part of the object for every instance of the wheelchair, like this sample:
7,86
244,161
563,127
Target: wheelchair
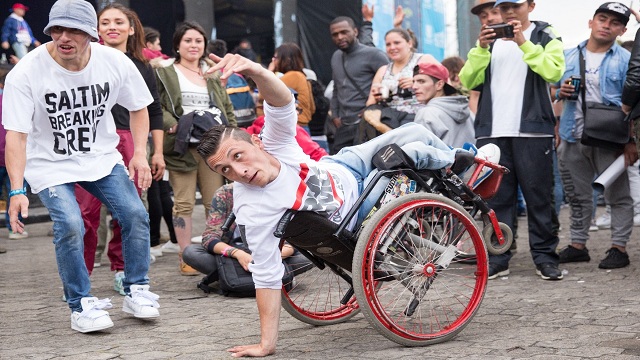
417,267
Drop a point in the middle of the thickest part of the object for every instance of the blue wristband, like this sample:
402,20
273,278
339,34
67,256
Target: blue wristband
22,191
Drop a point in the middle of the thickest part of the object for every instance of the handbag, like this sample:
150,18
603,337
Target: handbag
605,126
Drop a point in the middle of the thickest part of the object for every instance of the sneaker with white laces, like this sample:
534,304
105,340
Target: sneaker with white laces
604,221
141,303
93,316
170,247
118,283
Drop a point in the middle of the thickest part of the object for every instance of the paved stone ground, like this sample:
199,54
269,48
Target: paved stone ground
592,313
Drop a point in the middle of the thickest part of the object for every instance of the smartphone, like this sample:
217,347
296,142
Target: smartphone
575,81
502,30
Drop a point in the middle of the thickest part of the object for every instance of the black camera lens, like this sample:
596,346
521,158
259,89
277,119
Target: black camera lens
405,93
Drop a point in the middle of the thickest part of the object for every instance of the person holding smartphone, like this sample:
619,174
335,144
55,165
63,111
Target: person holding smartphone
515,113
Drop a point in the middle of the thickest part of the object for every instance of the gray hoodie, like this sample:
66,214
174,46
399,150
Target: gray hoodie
449,118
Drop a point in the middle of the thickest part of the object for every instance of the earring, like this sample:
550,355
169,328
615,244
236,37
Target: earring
177,51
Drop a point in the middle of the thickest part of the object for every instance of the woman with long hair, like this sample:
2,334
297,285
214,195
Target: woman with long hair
288,60
397,76
184,89
120,28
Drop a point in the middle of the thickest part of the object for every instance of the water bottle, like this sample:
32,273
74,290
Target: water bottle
3,59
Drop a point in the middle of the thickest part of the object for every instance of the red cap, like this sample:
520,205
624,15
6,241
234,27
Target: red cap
20,6
437,71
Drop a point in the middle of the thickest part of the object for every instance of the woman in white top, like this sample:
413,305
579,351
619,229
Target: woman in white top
183,88
394,81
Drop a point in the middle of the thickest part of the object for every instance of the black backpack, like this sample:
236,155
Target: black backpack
319,117
233,280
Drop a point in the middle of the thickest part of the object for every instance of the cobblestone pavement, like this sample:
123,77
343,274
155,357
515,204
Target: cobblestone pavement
592,313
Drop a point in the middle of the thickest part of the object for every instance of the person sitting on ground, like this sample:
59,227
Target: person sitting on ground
215,242
272,175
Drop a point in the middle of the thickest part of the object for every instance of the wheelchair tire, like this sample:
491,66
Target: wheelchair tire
491,241
406,289
314,297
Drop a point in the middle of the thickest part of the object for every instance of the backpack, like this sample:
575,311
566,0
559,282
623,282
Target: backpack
323,105
233,280
243,105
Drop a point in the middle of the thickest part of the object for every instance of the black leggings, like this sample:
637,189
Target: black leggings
160,206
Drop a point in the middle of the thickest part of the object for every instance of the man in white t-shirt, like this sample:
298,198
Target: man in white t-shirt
272,175
515,113
605,68
60,132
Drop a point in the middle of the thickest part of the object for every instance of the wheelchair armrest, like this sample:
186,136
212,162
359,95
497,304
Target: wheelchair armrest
283,222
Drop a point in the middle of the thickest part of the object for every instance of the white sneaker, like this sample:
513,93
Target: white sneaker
93,316
118,283
636,219
196,239
170,247
152,259
593,226
156,251
142,303
17,236
604,221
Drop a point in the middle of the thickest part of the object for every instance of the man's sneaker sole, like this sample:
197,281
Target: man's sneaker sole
548,277
499,274
98,328
131,311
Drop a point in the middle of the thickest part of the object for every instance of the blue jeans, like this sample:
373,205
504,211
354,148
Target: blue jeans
20,49
420,144
119,194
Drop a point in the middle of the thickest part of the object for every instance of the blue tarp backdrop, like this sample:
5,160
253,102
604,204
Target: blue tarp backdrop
426,18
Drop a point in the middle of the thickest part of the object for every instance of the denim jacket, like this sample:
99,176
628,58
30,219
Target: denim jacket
612,74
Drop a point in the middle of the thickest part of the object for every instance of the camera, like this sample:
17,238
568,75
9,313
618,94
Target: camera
404,93
502,30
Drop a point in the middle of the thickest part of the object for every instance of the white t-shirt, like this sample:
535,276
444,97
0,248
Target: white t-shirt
508,76
302,184
66,114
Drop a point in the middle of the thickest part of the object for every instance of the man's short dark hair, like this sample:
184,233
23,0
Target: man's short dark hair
211,140
340,19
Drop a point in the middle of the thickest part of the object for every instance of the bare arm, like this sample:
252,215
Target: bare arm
157,158
374,93
16,159
272,89
139,123
268,301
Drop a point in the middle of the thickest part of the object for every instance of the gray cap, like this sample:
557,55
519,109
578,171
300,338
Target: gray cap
74,14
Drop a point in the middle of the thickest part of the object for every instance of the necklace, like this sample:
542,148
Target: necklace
199,72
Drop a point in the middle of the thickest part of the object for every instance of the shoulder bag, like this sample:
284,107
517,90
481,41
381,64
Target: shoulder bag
605,126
